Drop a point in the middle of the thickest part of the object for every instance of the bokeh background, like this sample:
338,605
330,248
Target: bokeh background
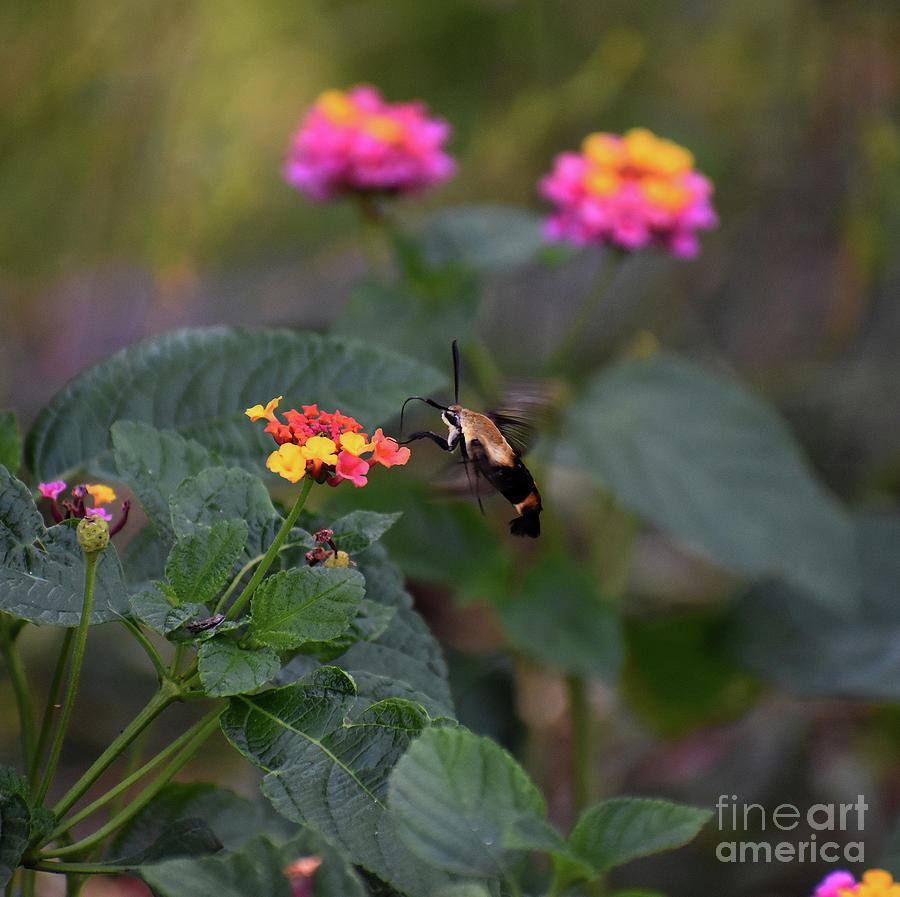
140,147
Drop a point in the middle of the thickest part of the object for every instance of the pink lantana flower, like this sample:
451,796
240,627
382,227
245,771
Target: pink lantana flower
631,191
355,142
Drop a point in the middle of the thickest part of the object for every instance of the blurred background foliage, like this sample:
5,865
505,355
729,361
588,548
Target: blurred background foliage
140,147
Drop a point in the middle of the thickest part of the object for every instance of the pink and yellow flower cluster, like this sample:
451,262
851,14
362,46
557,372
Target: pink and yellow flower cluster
874,883
326,445
355,142
631,191
76,505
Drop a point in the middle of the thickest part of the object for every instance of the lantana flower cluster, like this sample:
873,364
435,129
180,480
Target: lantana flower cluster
328,446
631,192
874,883
355,142
76,505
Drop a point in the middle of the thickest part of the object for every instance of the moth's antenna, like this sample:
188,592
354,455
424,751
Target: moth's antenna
455,373
419,399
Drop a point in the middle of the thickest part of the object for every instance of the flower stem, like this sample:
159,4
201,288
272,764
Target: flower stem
9,646
565,352
90,570
272,552
168,692
186,746
373,234
51,706
582,761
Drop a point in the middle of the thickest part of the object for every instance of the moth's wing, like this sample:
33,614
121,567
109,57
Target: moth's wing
524,408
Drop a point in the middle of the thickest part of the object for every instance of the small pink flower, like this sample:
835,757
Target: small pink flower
631,191
835,883
350,467
98,512
52,490
355,142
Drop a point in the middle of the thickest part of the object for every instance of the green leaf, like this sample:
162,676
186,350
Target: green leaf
330,773
181,838
200,565
15,827
10,441
487,237
233,818
144,558
707,460
258,868
200,381
406,651
421,326
227,669
230,493
557,616
359,529
161,616
370,622
305,604
464,805
621,829
154,463
782,636
42,570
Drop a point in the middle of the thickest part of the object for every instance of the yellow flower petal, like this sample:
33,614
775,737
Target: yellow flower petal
257,411
320,448
289,462
355,443
102,494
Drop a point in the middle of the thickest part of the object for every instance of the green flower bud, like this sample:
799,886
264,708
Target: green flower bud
93,534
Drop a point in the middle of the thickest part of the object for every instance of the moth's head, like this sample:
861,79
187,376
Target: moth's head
450,415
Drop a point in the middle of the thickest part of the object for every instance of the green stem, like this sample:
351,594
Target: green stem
565,353
146,644
10,648
90,570
582,765
373,235
126,783
51,706
196,738
29,883
168,692
272,552
80,868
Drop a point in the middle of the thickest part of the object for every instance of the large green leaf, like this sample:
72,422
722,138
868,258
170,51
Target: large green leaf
327,767
714,465
233,818
783,637
42,570
621,829
463,804
305,604
200,381
406,651
258,868
557,616
486,237
154,463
